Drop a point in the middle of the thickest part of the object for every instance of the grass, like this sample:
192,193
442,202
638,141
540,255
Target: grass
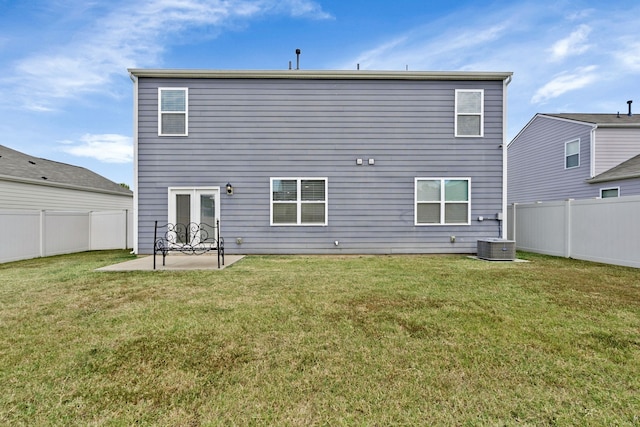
302,340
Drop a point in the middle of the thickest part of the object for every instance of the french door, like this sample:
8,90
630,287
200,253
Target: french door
194,205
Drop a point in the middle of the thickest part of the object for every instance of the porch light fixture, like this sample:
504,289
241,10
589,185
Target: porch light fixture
229,189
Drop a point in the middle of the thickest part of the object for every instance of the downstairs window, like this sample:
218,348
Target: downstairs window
442,201
298,201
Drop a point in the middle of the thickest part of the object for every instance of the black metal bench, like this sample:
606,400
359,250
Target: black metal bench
189,239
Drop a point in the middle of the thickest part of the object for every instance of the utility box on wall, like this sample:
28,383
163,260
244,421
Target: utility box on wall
497,249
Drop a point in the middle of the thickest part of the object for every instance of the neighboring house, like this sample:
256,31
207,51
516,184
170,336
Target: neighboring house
31,183
322,161
577,156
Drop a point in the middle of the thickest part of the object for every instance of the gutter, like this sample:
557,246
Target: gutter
65,186
613,178
322,74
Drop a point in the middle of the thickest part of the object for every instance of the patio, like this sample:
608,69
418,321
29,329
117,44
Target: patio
174,262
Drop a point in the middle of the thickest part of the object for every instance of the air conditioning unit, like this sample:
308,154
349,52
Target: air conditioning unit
497,249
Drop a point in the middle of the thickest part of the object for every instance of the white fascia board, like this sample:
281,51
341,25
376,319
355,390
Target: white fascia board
305,74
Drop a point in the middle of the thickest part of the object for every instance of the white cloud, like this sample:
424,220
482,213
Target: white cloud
107,148
574,44
629,57
132,34
565,82
304,8
372,56
451,48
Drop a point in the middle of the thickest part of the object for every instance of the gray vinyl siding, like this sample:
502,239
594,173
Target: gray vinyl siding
536,164
614,146
24,196
245,131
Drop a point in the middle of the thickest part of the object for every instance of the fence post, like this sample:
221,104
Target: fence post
90,240
513,223
126,228
42,233
567,225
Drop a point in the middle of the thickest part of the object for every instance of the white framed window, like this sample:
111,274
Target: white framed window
572,154
442,201
605,193
173,111
469,117
298,201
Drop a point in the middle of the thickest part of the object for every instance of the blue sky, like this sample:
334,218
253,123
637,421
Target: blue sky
65,93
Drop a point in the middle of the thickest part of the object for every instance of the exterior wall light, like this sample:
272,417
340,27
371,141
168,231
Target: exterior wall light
229,189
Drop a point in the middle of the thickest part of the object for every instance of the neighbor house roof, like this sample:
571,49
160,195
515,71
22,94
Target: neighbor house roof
602,120
593,120
625,170
17,166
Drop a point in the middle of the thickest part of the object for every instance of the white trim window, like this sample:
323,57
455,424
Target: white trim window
173,111
469,117
606,193
298,201
442,201
572,154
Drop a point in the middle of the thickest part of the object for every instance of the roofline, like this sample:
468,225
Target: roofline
592,125
321,74
564,119
597,124
596,180
61,185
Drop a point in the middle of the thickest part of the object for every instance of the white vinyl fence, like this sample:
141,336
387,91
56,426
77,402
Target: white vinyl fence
32,234
602,230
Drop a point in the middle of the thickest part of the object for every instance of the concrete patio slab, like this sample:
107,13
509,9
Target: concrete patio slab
174,262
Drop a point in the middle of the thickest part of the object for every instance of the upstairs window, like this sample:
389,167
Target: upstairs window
173,114
442,201
469,120
298,201
572,154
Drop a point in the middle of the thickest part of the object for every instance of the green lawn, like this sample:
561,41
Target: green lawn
327,340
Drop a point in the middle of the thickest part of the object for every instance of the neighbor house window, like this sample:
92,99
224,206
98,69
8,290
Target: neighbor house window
469,119
298,201
173,111
572,154
442,201
609,192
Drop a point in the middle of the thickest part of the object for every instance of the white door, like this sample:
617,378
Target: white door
194,205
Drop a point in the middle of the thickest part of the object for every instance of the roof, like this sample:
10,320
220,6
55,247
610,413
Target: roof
601,120
625,170
323,74
17,166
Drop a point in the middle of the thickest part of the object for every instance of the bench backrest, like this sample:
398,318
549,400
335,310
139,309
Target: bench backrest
191,234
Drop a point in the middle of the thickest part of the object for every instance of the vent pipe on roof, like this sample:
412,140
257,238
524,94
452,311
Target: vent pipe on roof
629,102
298,59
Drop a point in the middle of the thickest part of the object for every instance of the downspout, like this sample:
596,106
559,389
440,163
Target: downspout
592,153
134,79
505,220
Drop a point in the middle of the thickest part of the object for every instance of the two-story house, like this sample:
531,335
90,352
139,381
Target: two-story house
575,156
322,162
